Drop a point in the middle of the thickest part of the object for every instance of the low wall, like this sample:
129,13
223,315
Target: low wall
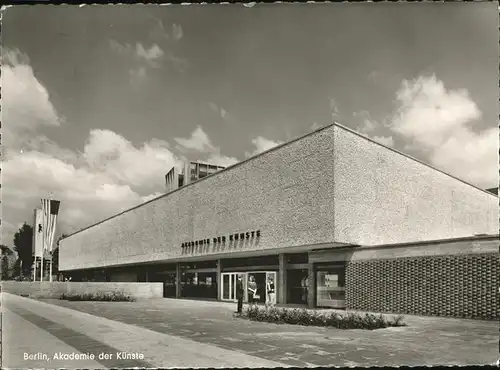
48,289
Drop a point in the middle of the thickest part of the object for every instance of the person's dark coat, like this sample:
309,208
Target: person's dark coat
239,289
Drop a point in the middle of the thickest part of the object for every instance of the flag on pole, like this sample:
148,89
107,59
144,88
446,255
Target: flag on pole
50,210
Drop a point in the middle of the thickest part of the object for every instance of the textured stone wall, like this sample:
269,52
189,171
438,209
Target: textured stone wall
330,186
283,193
463,286
382,197
48,289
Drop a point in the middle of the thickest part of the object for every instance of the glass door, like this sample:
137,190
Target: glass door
271,278
232,287
228,286
225,287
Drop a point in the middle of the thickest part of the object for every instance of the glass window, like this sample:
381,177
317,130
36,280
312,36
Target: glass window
330,288
199,284
297,286
297,258
225,286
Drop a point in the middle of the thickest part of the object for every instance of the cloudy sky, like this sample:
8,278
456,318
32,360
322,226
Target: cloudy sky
99,102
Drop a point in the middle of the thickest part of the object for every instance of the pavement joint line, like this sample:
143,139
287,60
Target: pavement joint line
174,348
475,342
39,341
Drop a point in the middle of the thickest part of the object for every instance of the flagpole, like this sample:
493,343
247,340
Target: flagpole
50,267
43,240
51,239
49,246
35,245
41,260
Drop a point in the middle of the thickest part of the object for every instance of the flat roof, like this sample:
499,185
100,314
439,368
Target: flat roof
313,248
277,147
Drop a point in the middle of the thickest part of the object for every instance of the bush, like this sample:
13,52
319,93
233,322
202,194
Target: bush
307,317
103,297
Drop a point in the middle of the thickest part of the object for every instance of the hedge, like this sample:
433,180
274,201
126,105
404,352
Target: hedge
107,297
350,320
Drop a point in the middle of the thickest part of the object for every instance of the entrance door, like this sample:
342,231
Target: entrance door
261,278
228,285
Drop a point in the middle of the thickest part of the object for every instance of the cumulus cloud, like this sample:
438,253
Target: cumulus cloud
25,102
199,142
145,58
159,32
108,176
384,140
334,109
142,59
439,123
150,55
315,126
372,128
218,110
429,113
177,32
262,144
221,160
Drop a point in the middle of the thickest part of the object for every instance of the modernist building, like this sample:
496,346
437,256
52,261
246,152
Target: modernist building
337,219
188,173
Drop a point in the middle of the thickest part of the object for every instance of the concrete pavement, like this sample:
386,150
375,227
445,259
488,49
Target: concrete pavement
22,339
41,330
425,341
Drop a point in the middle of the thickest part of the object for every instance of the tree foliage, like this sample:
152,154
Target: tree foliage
5,250
23,245
5,267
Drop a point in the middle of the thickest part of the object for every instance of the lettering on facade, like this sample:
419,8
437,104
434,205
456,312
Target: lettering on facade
247,235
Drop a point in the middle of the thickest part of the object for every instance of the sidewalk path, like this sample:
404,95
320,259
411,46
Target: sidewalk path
20,338
47,329
426,341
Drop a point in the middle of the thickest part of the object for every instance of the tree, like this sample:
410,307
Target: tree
23,241
17,269
5,267
6,252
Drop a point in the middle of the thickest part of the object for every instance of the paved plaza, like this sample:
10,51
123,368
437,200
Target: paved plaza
186,333
35,332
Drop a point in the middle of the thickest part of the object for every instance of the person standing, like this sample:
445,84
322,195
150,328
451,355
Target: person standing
271,294
305,286
252,290
239,294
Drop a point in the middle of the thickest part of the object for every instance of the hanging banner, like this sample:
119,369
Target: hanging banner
50,210
38,233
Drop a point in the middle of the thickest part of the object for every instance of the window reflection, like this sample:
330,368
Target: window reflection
330,285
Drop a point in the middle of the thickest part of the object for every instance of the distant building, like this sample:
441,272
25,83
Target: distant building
189,172
493,190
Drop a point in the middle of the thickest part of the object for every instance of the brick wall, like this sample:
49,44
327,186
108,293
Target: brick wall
55,289
454,285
